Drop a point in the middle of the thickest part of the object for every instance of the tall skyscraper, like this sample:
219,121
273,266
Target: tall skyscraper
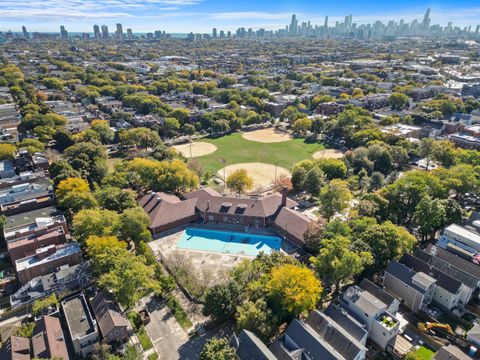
426,19
105,31
129,34
26,35
119,32
326,22
63,32
214,32
96,31
294,24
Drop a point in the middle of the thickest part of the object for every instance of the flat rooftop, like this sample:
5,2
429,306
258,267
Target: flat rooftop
30,216
78,317
61,251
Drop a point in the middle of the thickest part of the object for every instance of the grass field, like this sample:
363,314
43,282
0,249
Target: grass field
235,149
424,353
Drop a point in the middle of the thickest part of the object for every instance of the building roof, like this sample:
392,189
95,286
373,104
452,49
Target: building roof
36,260
378,292
107,312
346,321
404,274
451,352
30,216
48,339
443,280
16,348
292,222
454,260
249,347
364,301
473,236
78,317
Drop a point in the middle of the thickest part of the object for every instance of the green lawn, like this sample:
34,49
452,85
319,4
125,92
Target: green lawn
424,353
235,149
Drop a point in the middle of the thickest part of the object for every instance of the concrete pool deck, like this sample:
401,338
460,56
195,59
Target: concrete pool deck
213,263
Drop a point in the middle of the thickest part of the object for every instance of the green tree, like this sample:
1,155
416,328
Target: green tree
217,349
302,125
337,260
134,225
258,318
426,149
332,168
141,137
430,216
92,222
7,151
239,181
398,101
334,197
221,301
116,199
313,181
130,278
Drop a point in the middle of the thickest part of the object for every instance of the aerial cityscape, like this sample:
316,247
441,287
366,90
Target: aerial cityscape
187,179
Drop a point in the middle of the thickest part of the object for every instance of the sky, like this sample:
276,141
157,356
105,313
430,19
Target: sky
181,16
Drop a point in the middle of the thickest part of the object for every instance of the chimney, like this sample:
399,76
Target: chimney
284,196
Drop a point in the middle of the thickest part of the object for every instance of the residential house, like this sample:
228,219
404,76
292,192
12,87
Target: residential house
450,352
412,289
249,347
112,323
48,340
16,348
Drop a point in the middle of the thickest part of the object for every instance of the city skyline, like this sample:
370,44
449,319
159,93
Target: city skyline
183,16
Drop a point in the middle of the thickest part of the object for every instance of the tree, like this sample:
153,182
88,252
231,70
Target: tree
239,181
427,148
221,301
170,127
116,199
332,168
217,349
302,125
142,138
430,216
89,159
130,278
91,222
334,197
100,250
74,194
398,101
102,128
134,225
387,241
338,261
61,170
41,304
293,290
31,145
313,181
257,317
7,151
444,152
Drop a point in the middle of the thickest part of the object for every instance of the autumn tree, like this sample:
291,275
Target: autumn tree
293,290
91,222
239,181
74,194
218,349
7,151
398,101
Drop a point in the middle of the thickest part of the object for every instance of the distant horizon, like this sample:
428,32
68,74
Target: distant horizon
200,16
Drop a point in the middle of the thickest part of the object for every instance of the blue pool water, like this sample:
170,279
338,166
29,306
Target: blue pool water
227,242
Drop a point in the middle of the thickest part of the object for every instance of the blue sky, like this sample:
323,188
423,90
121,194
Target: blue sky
202,15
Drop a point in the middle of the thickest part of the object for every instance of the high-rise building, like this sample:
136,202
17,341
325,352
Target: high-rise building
326,22
96,31
119,32
129,34
222,34
426,19
214,32
105,31
294,24
63,32
26,35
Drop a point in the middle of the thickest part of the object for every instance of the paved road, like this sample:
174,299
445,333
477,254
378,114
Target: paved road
166,334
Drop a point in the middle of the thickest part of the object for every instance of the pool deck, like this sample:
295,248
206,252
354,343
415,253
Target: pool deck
219,264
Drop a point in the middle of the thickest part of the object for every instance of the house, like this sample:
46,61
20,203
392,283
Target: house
206,205
317,338
450,352
48,340
82,328
382,326
46,260
7,170
448,292
473,335
249,347
16,348
412,289
462,276
112,323
458,236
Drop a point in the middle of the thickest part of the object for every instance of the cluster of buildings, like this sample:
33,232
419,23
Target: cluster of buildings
71,332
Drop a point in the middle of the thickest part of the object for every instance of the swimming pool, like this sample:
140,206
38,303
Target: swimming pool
227,242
